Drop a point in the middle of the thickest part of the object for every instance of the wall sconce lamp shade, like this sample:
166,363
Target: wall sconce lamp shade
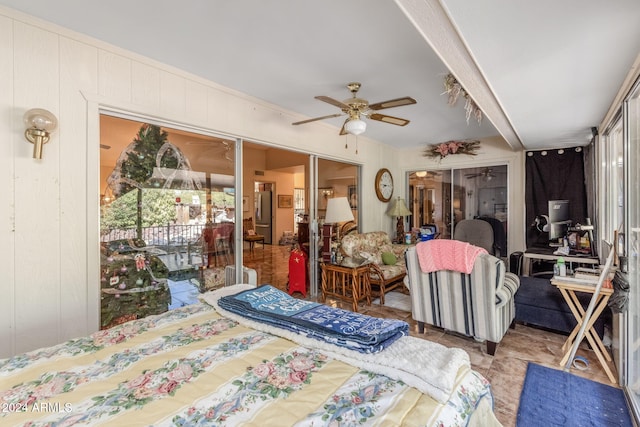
400,210
355,126
39,123
338,210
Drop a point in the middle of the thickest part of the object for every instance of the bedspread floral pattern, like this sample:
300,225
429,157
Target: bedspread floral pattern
100,339
363,396
270,380
51,383
465,399
190,344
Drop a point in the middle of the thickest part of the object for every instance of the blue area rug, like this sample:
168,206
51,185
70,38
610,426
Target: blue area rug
551,397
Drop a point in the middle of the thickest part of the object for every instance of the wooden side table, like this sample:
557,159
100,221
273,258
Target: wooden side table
568,288
347,281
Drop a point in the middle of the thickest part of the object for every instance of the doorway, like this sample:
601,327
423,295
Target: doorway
263,202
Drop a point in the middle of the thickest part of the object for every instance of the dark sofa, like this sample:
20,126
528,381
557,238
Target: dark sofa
539,303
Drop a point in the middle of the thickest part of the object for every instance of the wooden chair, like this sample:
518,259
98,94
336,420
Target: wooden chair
218,240
249,234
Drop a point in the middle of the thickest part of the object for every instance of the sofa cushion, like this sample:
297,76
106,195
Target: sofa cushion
374,257
389,258
390,271
371,246
355,244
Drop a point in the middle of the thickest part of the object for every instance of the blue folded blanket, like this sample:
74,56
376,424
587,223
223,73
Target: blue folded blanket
356,331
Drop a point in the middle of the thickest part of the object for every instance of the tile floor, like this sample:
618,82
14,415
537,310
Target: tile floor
506,370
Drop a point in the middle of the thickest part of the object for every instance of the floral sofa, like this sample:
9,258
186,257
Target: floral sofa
388,264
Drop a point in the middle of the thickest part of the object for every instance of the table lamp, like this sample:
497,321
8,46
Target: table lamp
400,210
338,210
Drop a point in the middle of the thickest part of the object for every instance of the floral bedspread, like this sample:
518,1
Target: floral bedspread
191,366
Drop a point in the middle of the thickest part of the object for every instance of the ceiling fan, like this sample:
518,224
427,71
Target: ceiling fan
219,147
427,174
486,173
357,108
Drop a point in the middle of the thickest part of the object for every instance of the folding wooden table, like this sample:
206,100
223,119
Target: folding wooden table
568,287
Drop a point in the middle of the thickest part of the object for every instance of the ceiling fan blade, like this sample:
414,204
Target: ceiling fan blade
389,119
318,118
392,103
332,101
343,131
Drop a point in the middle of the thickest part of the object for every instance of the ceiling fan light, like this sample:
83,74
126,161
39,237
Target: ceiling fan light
355,127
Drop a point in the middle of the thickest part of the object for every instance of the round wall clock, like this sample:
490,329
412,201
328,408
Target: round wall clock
384,185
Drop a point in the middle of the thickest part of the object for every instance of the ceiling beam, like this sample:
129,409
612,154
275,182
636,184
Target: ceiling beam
433,22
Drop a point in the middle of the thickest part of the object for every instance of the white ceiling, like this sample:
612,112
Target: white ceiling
544,72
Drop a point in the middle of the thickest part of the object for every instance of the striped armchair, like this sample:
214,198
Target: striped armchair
479,304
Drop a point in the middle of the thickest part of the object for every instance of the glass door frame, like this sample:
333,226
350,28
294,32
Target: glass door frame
609,210
316,212
631,331
314,234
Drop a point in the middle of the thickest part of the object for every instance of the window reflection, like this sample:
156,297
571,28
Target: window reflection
445,197
430,199
167,217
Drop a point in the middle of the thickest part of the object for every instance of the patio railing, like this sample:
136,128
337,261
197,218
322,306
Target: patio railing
167,235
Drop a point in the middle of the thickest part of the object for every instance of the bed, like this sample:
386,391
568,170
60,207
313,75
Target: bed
205,365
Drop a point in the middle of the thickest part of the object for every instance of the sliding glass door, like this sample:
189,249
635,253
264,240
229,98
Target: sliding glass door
167,216
446,197
175,221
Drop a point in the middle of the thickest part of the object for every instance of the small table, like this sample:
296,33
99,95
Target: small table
529,256
347,280
568,287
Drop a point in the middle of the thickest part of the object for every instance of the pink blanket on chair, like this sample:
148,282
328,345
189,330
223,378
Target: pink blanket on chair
442,254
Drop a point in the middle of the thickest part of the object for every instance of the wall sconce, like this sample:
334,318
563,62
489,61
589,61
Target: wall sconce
39,124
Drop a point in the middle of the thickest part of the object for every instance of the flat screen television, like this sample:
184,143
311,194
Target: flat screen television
559,220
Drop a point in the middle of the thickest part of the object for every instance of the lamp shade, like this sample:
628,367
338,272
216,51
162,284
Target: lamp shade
338,210
40,118
355,126
399,208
